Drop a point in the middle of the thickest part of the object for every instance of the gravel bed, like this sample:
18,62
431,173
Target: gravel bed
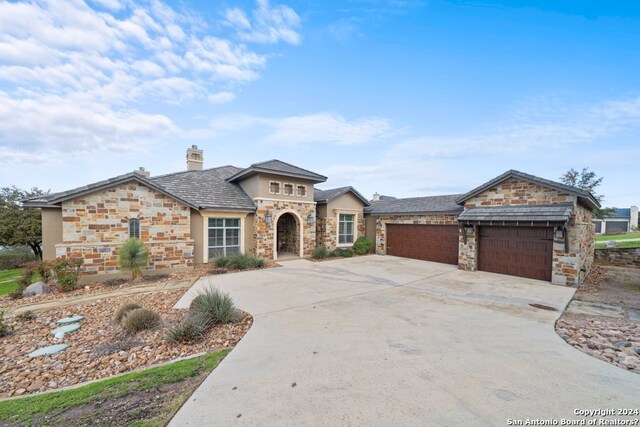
98,349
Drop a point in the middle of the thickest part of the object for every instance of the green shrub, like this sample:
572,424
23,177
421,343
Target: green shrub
123,310
15,256
4,328
215,306
342,252
26,316
17,294
64,271
362,246
191,328
133,257
140,319
26,278
320,252
238,262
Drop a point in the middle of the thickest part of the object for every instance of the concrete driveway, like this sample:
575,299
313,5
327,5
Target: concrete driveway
383,340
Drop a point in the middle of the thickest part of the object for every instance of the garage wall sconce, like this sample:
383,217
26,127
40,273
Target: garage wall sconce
468,229
559,233
310,218
268,218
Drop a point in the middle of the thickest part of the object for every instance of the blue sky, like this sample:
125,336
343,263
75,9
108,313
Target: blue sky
403,97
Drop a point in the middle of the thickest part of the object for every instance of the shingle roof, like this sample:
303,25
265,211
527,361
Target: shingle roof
416,205
325,196
55,198
207,189
540,213
277,167
583,195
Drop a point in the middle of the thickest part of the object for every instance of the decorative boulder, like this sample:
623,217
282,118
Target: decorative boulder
38,288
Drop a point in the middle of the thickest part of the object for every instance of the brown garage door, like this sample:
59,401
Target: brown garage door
437,243
517,251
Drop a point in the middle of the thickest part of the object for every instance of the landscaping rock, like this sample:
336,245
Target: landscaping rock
38,288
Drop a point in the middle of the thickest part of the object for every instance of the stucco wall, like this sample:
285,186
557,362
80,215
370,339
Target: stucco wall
51,232
382,221
96,225
257,186
199,239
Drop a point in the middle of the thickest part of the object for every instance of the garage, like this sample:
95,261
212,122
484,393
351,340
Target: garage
437,243
517,251
614,227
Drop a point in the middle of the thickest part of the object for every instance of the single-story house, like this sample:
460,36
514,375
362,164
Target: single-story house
515,224
619,221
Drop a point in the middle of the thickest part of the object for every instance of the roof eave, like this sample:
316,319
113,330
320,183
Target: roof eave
225,209
246,173
415,213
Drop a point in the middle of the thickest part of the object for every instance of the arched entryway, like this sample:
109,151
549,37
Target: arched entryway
287,236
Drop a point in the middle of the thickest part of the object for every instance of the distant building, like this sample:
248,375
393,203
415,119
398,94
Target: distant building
620,221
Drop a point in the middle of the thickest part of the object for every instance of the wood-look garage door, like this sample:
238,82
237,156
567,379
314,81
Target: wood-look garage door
517,251
438,243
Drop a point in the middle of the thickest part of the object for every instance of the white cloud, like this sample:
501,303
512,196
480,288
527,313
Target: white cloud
323,128
83,73
270,24
221,97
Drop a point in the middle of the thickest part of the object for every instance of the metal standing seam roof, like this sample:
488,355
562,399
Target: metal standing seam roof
585,196
416,205
620,213
325,196
541,213
277,167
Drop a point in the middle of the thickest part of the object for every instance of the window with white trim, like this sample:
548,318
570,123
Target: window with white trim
287,190
274,187
346,229
301,191
224,236
134,228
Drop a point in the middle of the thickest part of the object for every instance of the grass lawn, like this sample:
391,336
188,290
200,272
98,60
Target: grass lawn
145,398
624,236
621,244
8,280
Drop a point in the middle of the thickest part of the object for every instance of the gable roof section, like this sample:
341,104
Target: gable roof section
416,206
208,189
325,196
584,196
53,200
277,167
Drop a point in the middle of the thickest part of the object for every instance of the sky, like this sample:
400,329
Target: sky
401,97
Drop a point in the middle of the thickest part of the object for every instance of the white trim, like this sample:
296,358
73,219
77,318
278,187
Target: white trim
267,199
355,226
205,229
274,223
306,190
293,189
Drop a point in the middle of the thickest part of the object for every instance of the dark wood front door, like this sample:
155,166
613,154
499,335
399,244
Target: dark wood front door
517,251
438,243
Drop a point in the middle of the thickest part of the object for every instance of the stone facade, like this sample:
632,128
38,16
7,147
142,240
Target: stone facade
569,268
327,231
382,221
96,225
619,257
264,234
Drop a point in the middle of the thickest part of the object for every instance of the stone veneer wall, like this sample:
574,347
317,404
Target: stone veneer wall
382,221
96,225
327,231
570,267
264,234
619,257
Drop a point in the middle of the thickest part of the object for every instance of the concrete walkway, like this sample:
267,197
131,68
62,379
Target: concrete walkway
391,341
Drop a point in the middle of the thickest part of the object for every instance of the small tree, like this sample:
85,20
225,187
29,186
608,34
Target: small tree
133,257
20,226
587,180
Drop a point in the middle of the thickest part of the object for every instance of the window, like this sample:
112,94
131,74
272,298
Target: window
288,190
274,187
346,229
134,228
302,190
224,236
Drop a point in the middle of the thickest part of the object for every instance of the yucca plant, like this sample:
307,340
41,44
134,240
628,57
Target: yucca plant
133,257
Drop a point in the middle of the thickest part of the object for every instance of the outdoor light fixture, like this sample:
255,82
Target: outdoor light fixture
268,217
559,233
310,218
468,229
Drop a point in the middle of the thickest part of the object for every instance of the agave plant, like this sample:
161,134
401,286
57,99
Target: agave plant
133,257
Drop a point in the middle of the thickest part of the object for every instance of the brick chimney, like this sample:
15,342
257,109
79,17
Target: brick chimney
376,197
194,159
142,171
